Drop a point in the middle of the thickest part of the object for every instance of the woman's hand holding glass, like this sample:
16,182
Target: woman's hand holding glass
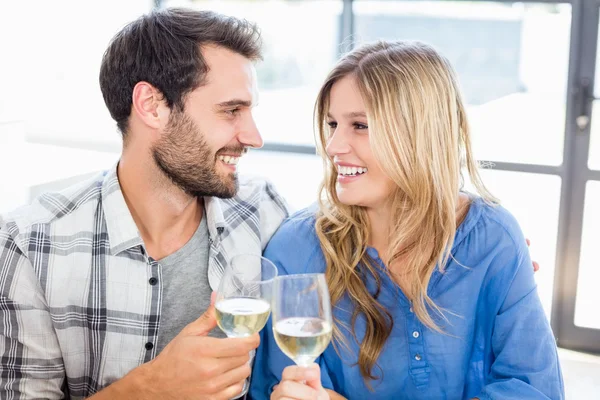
300,383
302,327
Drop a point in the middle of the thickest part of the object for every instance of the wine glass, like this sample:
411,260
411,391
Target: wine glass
243,300
302,323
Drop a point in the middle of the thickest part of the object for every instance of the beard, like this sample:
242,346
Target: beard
184,157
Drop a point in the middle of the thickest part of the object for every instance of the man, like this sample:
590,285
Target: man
101,285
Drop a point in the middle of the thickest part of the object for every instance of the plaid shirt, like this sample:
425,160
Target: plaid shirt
78,309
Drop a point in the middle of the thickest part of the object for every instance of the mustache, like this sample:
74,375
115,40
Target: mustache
241,150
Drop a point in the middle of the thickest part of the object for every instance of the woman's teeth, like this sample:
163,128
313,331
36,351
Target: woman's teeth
351,171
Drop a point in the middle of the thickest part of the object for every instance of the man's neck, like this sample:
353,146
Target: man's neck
166,217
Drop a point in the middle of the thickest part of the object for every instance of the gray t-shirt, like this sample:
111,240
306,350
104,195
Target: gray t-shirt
186,292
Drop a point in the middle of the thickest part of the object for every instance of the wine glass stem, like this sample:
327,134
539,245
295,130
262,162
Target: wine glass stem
303,365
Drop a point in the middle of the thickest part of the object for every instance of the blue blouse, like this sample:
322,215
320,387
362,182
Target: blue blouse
497,343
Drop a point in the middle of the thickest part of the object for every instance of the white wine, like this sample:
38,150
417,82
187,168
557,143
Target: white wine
242,316
302,339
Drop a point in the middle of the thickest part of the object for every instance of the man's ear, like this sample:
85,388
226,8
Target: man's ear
149,105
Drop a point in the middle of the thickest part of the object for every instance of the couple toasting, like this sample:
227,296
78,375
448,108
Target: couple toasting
431,287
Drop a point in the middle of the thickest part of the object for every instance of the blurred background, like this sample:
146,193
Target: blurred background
527,70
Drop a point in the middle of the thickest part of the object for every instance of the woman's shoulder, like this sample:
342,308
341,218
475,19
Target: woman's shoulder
489,232
500,222
295,244
299,224
492,238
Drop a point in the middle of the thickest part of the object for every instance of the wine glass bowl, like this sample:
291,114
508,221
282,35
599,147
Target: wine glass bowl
302,322
243,301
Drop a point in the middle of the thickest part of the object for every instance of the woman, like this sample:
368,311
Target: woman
432,288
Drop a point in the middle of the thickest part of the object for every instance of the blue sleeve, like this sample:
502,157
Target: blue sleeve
525,364
291,250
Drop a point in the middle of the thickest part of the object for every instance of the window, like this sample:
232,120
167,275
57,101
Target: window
300,46
586,311
51,80
511,61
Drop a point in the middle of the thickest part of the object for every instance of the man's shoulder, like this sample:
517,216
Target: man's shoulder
257,204
65,208
251,184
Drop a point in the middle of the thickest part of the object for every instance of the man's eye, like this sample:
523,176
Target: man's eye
232,111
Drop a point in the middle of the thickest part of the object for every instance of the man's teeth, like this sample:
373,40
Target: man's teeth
351,171
229,160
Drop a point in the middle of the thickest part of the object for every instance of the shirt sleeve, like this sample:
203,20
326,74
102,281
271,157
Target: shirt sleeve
526,364
32,365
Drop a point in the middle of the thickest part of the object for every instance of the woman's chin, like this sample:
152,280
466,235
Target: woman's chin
347,198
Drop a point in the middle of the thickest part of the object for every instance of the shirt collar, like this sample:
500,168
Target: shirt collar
214,216
123,233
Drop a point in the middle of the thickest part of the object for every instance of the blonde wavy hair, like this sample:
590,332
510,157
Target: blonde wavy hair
419,135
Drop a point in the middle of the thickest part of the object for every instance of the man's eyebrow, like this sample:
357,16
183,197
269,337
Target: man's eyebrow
235,103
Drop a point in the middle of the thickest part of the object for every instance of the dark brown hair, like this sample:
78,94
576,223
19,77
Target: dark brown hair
163,48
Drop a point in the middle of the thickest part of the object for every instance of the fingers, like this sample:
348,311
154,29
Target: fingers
229,380
299,374
223,348
298,383
293,390
233,391
536,266
224,365
204,324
